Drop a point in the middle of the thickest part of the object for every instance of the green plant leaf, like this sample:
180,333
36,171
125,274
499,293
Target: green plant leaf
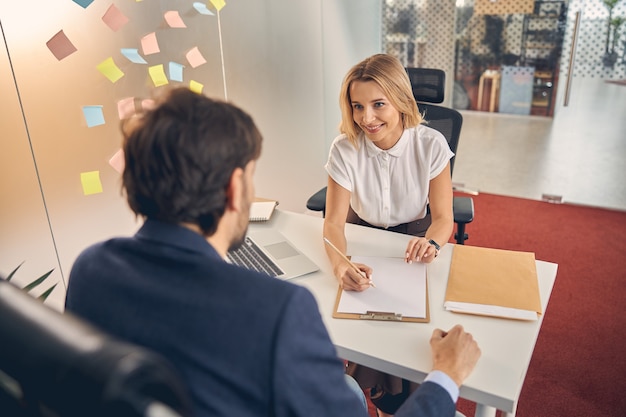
38,281
35,283
45,295
14,271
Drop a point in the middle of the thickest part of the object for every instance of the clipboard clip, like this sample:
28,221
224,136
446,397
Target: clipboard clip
380,315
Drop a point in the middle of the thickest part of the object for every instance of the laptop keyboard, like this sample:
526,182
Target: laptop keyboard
250,256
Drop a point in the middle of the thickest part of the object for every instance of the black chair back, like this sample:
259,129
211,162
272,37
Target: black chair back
446,120
54,364
428,84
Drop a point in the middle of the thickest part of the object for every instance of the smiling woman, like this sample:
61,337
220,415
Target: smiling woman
383,171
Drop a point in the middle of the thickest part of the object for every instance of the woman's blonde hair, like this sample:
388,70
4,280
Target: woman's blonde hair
391,77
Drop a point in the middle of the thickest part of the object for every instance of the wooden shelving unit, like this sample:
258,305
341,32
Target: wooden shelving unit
542,38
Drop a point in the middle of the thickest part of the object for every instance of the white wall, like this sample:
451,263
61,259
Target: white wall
284,61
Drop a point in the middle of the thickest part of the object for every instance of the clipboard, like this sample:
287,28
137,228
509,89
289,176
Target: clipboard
381,315
397,294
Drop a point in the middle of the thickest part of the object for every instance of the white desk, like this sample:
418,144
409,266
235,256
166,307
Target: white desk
403,349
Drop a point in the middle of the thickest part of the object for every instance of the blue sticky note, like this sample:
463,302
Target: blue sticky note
83,3
133,55
93,115
202,9
176,71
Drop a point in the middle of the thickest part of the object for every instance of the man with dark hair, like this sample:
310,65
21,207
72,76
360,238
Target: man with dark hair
246,344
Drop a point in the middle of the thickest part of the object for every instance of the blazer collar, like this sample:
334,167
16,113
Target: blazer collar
175,235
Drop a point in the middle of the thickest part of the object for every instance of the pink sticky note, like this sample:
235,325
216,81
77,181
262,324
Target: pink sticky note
126,107
61,46
148,104
149,44
174,20
195,58
114,18
117,161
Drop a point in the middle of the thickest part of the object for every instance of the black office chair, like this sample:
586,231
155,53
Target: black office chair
428,84
428,87
56,365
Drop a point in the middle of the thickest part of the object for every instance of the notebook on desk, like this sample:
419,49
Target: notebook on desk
270,252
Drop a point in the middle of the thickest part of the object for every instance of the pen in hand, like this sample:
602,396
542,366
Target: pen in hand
345,258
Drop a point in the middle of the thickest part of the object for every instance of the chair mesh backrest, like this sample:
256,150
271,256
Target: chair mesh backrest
447,121
428,84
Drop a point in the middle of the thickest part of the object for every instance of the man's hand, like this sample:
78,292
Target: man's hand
455,353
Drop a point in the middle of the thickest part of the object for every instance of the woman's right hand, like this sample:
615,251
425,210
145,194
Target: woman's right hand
352,280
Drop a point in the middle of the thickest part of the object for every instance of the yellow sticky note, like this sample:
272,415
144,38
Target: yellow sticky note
157,73
196,87
110,70
91,182
218,4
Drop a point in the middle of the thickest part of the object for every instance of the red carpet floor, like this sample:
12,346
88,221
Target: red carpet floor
578,368
579,364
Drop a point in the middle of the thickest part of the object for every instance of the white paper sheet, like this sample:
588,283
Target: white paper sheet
400,288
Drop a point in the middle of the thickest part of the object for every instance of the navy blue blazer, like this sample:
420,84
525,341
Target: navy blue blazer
245,344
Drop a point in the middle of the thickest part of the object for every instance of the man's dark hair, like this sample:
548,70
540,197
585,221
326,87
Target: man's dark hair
180,157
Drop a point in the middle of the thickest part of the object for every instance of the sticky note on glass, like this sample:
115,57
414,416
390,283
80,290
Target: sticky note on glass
110,70
195,58
202,9
91,182
126,107
114,18
60,45
117,161
218,4
83,3
157,73
147,104
196,87
176,71
149,44
133,55
174,20
93,115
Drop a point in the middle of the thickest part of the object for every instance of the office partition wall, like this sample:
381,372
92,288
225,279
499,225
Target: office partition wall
25,234
76,65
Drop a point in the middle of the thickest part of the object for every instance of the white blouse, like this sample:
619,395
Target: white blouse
389,187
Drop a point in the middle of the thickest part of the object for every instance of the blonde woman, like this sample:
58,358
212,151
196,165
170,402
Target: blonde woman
384,170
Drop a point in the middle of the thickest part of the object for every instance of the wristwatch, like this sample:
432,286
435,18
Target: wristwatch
436,245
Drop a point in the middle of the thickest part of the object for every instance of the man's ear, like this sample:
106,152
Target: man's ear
235,191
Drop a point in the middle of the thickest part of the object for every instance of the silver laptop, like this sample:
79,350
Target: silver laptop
270,252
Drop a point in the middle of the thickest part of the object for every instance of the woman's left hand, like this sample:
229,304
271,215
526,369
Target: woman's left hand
420,249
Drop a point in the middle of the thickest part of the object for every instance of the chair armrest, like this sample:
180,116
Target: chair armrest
317,202
463,208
